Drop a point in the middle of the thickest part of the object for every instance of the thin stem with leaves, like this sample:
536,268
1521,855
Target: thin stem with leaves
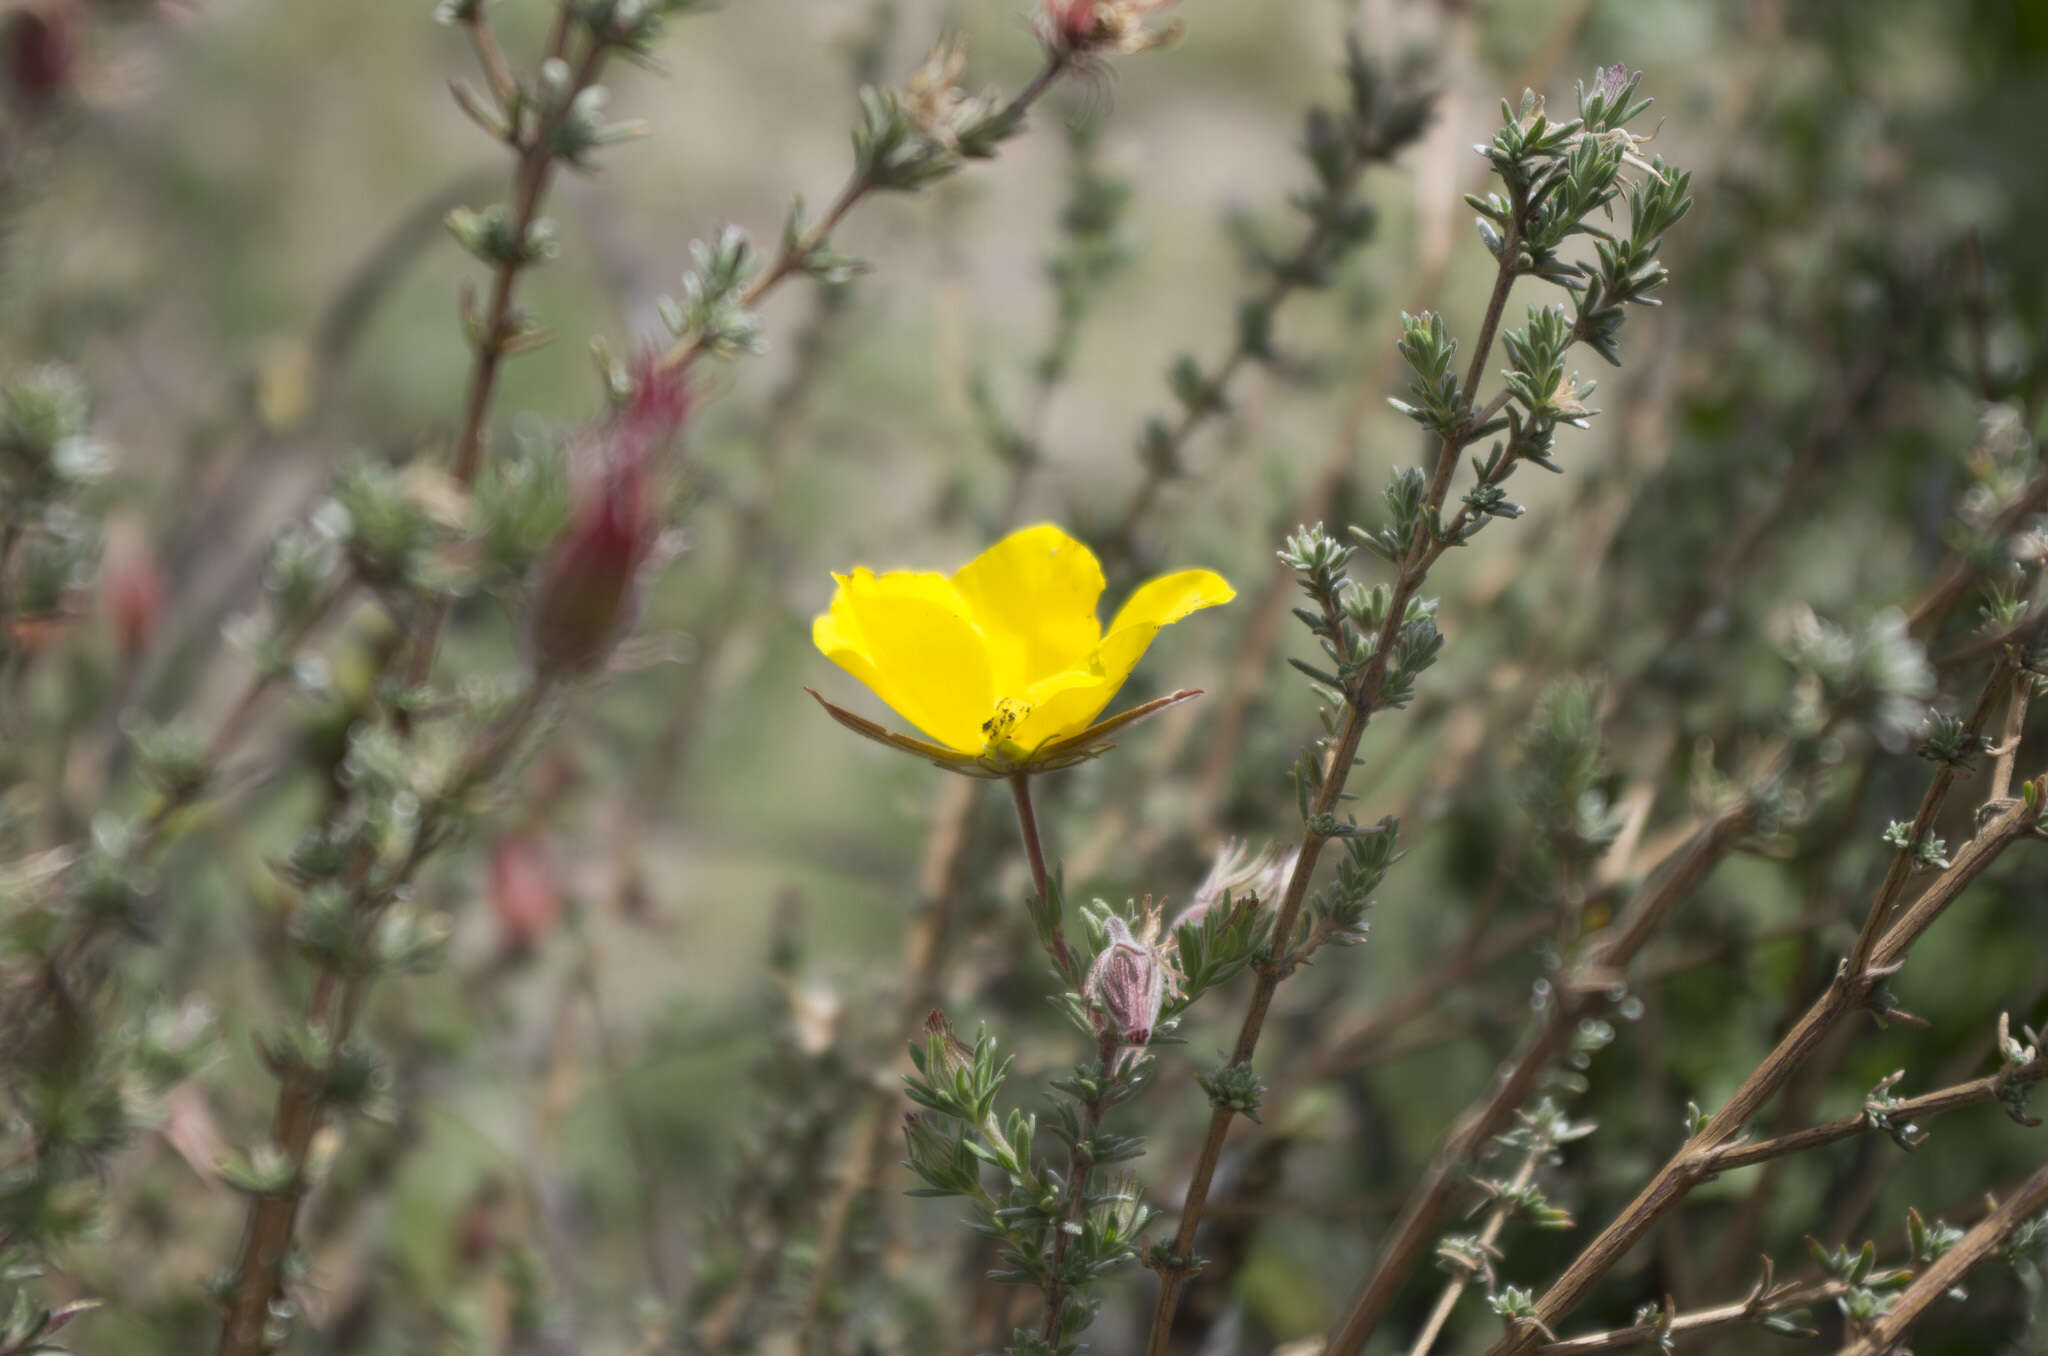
1378,642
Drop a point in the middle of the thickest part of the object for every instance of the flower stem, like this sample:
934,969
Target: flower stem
1080,1166
1360,704
499,325
1497,1219
1027,827
333,1008
789,260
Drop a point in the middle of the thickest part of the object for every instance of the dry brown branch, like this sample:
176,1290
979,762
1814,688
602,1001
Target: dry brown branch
1945,1271
1849,992
1910,1109
1429,1203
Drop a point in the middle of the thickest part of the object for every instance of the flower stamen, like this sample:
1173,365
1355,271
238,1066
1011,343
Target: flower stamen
1010,713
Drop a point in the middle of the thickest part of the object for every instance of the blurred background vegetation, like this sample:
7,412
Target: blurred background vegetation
638,1087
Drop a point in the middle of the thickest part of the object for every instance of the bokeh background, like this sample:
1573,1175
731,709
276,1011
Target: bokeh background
644,1077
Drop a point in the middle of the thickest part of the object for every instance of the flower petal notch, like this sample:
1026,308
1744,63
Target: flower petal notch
1004,665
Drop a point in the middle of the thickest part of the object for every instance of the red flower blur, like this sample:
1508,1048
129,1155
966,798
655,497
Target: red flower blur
1079,29
525,899
587,590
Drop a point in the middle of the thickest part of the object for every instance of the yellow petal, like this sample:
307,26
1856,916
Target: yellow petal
1172,596
1069,707
1054,703
837,636
908,636
1071,701
1034,595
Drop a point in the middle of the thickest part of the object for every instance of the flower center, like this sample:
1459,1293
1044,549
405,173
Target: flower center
1009,713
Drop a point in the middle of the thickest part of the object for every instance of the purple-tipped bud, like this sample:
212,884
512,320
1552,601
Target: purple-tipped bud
586,592
1611,80
1126,986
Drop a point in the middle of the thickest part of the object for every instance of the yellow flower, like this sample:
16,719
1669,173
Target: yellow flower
1005,663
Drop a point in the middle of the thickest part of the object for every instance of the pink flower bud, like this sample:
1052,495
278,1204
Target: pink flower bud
587,590
132,589
42,48
1072,22
1126,986
660,402
525,900
1081,29
584,597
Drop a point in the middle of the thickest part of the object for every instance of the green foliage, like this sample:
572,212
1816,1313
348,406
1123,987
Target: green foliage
46,447
563,1050
636,25
1876,674
1336,913
29,1328
494,237
1428,347
713,309
384,529
1235,1087
1216,947
1559,785
521,506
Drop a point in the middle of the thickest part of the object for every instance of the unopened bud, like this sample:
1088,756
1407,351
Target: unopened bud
952,1054
131,587
42,48
1126,985
525,899
1087,28
585,595
1071,21
587,588
660,402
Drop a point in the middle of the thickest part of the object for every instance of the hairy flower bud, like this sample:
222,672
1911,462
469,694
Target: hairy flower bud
1072,22
1086,28
1611,80
586,591
1258,880
584,598
659,404
1126,985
